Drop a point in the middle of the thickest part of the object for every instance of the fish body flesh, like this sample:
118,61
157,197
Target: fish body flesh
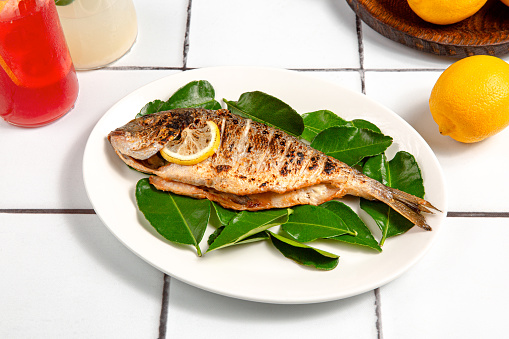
255,167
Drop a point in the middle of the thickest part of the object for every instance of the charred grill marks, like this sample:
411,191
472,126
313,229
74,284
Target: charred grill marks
329,167
222,168
313,162
265,140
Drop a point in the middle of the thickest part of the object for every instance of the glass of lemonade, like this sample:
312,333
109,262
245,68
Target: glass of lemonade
38,83
98,32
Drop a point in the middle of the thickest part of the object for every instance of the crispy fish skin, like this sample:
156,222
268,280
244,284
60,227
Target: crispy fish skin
255,167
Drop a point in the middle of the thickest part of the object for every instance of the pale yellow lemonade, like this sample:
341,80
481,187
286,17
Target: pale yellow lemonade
98,32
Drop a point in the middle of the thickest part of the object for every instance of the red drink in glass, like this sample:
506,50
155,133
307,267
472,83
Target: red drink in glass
38,83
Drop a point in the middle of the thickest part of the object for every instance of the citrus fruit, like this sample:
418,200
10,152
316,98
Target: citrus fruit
194,145
505,2
470,100
445,12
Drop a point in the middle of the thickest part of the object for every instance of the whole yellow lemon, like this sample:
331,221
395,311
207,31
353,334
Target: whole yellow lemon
470,100
445,12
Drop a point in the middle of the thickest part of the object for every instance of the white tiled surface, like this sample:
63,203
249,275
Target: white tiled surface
276,33
161,32
458,291
227,318
63,275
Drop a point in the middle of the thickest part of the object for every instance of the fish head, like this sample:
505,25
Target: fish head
145,136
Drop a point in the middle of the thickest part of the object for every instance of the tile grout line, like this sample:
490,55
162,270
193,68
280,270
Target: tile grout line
163,318
358,26
330,69
398,70
376,291
378,313
450,214
478,214
47,210
141,68
186,36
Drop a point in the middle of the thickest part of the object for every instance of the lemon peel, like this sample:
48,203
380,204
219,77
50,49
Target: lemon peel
194,146
445,12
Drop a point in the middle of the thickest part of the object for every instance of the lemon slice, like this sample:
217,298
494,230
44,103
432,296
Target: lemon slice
194,145
7,70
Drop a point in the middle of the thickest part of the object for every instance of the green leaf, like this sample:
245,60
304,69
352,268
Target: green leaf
194,94
246,224
350,144
318,121
315,122
151,107
63,2
224,215
403,173
214,235
350,218
303,254
360,123
177,218
308,223
253,238
269,110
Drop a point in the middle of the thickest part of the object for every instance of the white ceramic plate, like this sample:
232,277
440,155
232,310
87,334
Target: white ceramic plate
257,271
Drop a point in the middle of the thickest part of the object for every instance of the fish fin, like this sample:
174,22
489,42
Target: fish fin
405,204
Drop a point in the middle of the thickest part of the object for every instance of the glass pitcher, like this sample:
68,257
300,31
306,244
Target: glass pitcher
98,32
38,83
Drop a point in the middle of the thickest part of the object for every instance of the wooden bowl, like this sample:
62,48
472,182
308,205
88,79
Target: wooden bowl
486,32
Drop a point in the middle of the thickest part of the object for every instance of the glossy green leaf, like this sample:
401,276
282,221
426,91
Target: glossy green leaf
403,173
308,223
224,215
360,123
246,224
350,144
252,238
194,94
318,121
269,110
151,107
364,236
304,254
177,218
315,122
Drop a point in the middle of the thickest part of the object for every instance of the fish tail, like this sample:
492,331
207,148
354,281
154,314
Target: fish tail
408,205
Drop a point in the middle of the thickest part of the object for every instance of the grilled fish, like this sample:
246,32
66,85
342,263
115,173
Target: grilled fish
255,167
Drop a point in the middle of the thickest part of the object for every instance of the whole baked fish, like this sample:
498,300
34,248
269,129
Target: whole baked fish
255,167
